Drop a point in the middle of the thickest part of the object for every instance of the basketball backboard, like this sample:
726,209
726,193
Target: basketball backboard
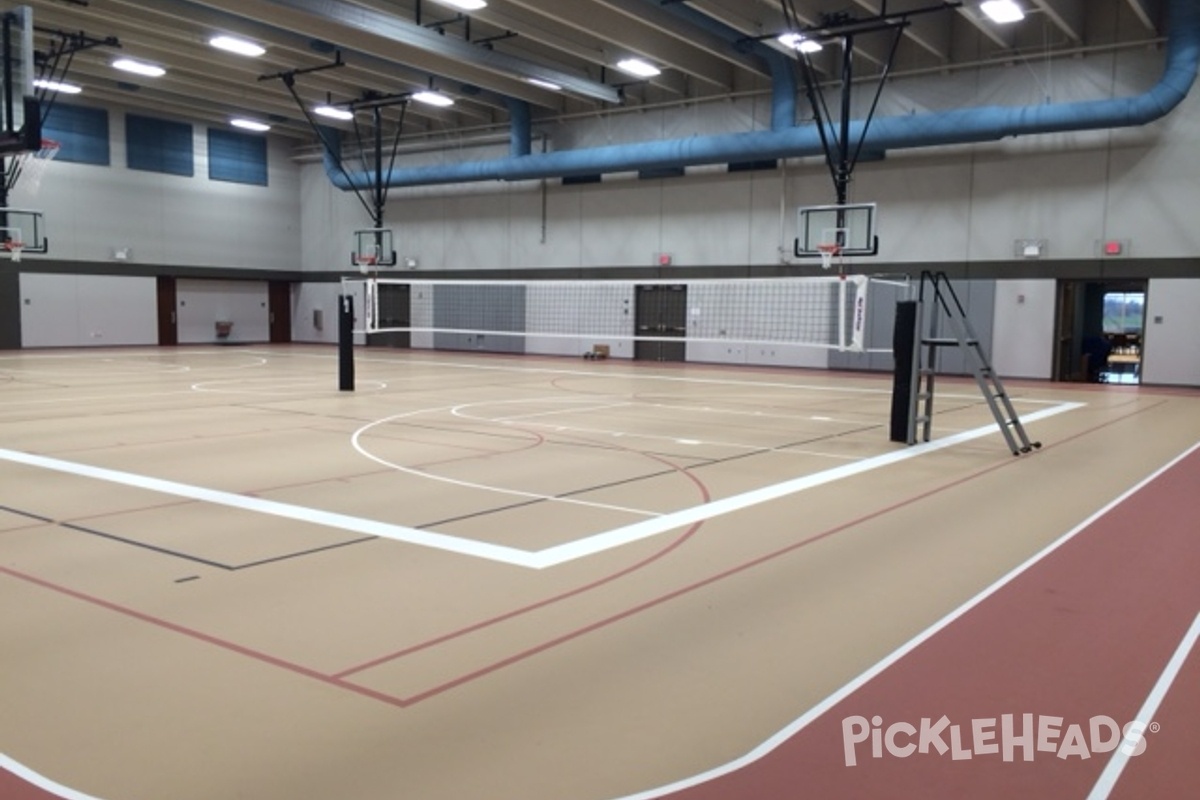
21,231
851,227
373,248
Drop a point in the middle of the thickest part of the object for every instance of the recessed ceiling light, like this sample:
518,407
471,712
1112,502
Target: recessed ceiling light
56,86
554,87
250,125
465,5
233,44
333,112
1002,11
798,41
635,66
432,98
139,67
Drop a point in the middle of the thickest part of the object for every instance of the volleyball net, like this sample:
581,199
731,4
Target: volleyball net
569,316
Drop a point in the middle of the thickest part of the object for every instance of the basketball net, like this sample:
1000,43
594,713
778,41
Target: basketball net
828,251
32,166
13,248
365,261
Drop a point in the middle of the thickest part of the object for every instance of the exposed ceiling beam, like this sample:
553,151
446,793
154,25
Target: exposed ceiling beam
402,31
1067,16
1147,11
626,36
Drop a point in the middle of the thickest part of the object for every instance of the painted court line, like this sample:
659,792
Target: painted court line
536,559
41,781
802,722
1120,757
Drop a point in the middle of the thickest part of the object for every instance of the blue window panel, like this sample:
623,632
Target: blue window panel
158,145
82,133
237,157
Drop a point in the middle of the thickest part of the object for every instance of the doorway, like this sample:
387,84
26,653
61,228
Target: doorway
395,311
1099,331
661,312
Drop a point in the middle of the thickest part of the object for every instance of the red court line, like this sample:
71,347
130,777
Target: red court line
1085,632
400,702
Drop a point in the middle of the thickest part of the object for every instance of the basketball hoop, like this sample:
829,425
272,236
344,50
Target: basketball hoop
365,261
14,247
828,250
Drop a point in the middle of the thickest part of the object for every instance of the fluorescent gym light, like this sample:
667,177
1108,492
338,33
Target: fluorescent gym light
433,98
139,67
242,47
1002,11
554,87
635,66
250,125
798,41
465,5
333,112
55,86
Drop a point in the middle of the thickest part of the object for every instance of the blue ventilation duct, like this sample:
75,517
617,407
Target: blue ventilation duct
981,124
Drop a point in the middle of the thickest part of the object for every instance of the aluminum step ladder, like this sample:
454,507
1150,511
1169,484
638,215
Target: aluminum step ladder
936,289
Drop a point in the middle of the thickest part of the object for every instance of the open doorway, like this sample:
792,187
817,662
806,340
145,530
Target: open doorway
1100,329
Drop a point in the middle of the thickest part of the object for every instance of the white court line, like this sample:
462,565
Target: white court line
870,674
643,376
41,781
1120,757
356,443
536,559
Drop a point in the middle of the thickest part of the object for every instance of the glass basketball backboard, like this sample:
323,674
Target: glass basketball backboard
21,231
850,227
373,248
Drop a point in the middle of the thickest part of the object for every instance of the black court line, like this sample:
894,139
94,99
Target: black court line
289,556
145,546
206,561
26,514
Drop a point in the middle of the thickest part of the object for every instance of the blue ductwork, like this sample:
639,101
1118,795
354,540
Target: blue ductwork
521,128
980,124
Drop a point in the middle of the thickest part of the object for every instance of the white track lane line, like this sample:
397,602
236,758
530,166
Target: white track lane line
870,674
41,781
1120,757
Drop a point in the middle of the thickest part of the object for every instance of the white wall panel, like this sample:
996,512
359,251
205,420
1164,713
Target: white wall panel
1023,328
622,223
1171,354
307,300
87,310
202,303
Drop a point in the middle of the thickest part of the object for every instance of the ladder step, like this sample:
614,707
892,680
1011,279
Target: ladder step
948,342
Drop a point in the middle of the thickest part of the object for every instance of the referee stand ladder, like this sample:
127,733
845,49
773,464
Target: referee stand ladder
936,290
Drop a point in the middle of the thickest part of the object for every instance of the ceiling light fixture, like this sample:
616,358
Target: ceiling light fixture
56,86
139,67
250,125
465,5
242,47
635,66
432,97
554,87
798,41
1002,11
333,112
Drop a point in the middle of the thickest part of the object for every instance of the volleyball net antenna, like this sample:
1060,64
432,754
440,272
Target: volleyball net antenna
569,317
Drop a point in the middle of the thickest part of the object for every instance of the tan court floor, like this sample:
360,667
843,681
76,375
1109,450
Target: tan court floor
160,642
